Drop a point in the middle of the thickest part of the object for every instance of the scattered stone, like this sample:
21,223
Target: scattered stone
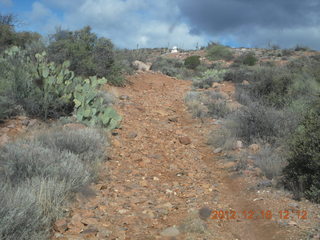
230,165
264,184
173,119
124,97
292,223
219,122
132,135
238,145
25,122
170,232
218,150
89,221
12,125
60,226
123,211
103,233
205,213
89,233
245,83
33,122
293,206
141,66
185,140
254,148
257,199
116,143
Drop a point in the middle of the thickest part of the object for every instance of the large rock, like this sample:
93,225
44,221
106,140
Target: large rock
141,66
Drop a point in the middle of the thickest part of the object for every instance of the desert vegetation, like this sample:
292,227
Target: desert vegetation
278,110
57,83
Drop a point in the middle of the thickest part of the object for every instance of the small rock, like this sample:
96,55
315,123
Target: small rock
257,199
204,213
132,135
254,148
116,143
25,122
238,145
218,122
89,233
60,226
293,206
103,233
33,122
217,150
292,223
89,221
245,83
124,97
11,125
173,119
170,232
185,140
123,211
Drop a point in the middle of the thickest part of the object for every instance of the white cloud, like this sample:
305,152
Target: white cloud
39,11
127,22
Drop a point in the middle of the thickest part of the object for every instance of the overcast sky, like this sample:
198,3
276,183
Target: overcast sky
185,23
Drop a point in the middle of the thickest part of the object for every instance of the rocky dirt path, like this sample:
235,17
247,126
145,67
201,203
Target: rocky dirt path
160,174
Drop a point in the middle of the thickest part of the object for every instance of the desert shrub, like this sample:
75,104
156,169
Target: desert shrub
218,108
7,107
195,104
21,161
238,74
222,137
304,160
257,121
271,161
168,66
248,59
88,144
39,176
208,77
219,52
301,48
192,62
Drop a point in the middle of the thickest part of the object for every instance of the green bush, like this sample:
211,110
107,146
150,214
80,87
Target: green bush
49,91
219,52
208,77
248,59
304,161
88,54
192,62
168,66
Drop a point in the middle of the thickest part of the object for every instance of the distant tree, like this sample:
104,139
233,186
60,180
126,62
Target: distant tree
88,54
9,37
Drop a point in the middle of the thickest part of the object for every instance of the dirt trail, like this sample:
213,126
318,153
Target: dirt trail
155,179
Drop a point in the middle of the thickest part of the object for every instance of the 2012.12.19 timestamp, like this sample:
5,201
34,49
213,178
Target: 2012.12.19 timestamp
261,214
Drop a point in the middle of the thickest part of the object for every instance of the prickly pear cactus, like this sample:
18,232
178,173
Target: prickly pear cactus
56,82
89,106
